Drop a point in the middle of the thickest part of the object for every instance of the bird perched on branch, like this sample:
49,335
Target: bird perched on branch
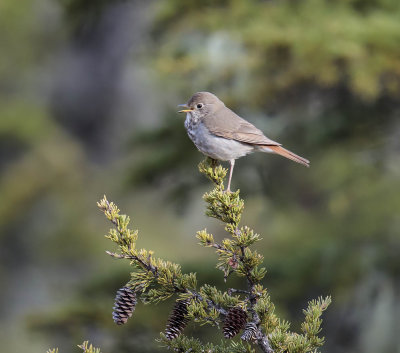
221,134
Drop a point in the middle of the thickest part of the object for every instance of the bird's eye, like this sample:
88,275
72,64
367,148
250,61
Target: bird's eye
199,105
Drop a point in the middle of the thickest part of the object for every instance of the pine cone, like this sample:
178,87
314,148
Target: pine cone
249,332
125,302
234,322
177,320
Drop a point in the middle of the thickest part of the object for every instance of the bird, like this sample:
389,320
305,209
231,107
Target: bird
221,134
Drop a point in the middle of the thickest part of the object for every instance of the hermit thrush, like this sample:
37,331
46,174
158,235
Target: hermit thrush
221,134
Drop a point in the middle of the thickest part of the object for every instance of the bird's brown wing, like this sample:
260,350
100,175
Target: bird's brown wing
225,123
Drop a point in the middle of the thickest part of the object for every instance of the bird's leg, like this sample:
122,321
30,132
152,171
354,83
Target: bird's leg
232,162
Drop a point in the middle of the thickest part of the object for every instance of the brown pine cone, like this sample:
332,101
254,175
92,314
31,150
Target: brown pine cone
178,320
234,322
125,302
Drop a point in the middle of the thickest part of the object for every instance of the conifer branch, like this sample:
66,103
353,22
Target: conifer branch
249,309
124,236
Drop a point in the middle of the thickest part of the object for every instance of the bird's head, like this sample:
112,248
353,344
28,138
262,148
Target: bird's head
201,104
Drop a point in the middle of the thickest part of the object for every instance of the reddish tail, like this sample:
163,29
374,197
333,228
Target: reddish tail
288,154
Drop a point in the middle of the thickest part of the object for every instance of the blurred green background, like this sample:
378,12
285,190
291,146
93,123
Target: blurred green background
88,96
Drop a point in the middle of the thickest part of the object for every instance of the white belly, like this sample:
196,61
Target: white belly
212,145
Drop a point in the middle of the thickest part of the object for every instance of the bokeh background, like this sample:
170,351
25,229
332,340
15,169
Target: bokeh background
88,96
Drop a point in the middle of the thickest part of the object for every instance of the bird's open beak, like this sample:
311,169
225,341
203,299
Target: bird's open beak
184,110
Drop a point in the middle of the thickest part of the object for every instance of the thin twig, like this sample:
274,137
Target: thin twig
144,264
210,303
222,248
234,290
